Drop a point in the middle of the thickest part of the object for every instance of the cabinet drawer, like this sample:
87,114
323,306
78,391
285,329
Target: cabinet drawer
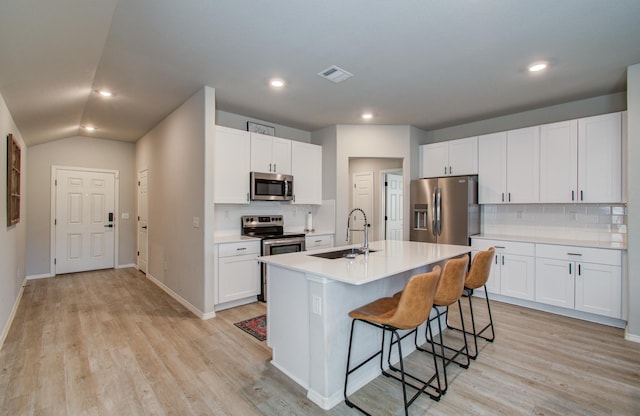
504,247
580,254
242,248
319,241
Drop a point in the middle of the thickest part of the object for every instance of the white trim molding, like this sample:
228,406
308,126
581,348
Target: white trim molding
197,312
12,315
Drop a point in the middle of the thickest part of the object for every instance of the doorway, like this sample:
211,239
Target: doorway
375,215
84,227
363,199
143,211
392,208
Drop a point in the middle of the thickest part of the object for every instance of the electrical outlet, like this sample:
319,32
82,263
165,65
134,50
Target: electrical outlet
317,304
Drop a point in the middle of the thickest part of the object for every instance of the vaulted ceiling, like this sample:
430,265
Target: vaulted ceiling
428,63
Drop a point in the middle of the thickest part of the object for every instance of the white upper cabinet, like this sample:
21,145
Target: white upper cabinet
559,161
270,154
306,167
581,160
231,166
600,158
452,158
508,166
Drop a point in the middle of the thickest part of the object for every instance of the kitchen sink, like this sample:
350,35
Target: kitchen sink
349,253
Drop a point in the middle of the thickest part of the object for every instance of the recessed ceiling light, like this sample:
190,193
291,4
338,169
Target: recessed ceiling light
277,83
367,116
89,128
538,66
105,93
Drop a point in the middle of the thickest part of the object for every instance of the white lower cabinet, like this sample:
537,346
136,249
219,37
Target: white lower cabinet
581,278
513,268
238,271
313,242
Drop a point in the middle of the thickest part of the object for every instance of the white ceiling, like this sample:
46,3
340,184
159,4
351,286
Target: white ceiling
428,63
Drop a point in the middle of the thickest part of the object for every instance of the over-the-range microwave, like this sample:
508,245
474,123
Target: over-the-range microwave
271,187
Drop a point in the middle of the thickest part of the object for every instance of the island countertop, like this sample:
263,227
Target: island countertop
390,258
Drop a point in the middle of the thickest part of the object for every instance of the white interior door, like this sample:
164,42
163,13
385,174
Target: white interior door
84,220
363,199
143,210
393,206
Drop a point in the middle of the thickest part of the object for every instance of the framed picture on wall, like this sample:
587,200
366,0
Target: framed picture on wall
13,181
261,128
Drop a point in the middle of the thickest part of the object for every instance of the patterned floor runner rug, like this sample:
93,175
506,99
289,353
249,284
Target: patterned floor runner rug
255,326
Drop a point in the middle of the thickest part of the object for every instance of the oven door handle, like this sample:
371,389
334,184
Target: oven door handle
280,241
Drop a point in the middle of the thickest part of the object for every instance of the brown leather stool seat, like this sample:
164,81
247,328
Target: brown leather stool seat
476,278
448,292
405,312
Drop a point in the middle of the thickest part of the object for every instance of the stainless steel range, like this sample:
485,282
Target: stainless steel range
270,229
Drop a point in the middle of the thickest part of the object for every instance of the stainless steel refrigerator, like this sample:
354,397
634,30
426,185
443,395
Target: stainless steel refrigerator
445,210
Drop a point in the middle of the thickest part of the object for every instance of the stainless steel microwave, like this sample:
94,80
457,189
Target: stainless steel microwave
271,187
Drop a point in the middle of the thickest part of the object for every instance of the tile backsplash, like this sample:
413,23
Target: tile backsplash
605,223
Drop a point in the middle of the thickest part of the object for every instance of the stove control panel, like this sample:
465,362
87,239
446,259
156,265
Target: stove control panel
261,220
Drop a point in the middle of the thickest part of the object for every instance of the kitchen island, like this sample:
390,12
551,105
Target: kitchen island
309,301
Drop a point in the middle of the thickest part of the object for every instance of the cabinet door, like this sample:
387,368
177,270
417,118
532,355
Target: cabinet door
261,151
598,289
238,278
555,282
523,165
493,282
231,166
306,167
463,156
492,172
600,158
559,162
517,277
434,160
281,155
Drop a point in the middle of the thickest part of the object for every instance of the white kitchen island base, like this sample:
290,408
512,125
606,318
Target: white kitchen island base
309,300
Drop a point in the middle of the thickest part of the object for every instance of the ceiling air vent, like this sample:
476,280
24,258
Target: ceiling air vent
335,74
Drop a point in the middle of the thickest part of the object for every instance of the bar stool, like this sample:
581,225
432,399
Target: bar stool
391,314
476,278
448,292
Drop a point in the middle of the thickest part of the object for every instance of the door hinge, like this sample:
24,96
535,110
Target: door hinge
138,254
55,222
55,182
386,183
55,261
138,183
386,218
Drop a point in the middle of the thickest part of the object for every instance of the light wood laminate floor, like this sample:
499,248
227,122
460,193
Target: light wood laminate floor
112,343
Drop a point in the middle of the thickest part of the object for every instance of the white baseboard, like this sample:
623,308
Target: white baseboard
197,312
5,330
39,276
126,266
631,337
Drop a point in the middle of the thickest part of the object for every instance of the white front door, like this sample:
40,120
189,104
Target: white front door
84,220
393,206
143,198
363,199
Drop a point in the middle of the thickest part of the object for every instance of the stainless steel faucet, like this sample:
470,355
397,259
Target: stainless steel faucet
365,244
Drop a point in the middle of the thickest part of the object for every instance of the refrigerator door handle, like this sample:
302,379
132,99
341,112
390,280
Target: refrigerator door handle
438,205
433,213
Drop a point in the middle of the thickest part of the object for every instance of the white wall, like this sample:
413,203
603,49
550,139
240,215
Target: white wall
83,152
567,111
368,141
633,206
12,239
174,153
238,121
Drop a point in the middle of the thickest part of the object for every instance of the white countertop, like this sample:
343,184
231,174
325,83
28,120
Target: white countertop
611,245
232,238
392,257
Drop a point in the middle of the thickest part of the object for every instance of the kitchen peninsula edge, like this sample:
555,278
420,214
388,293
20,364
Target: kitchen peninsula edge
310,298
